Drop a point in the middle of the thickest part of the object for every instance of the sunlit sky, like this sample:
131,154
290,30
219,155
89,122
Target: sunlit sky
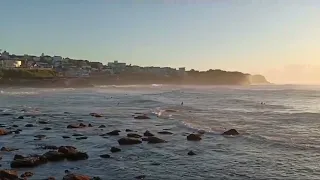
277,38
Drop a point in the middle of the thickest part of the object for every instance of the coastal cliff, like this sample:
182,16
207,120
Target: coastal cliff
50,79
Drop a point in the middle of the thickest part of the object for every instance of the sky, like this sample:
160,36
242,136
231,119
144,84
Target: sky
276,38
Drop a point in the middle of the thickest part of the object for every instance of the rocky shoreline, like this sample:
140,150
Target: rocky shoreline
56,154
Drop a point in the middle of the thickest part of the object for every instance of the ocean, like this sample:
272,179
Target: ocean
278,125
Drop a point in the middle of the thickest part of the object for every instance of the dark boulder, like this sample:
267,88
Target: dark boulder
29,125
194,137
28,162
46,128
43,122
81,138
90,125
114,133
26,175
20,117
7,149
201,132
77,134
72,154
231,132
141,117
148,133
133,135
54,156
140,177
8,175
65,137
128,130
105,156
17,156
95,115
3,132
40,136
115,149
129,141
76,177
155,140
191,153
102,126
165,132
15,126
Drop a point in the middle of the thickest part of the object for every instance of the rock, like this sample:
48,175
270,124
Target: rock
29,125
15,126
201,132
133,135
114,149
6,149
28,162
155,164
77,134
95,115
105,156
47,128
20,117
141,117
54,156
41,136
72,154
43,122
26,174
3,132
148,133
114,133
165,132
81,138
129,141
74,126
8,175
128,130
191,153
102,126
6,114
17,156
90,125
231,132
194,137
16,132
141,177
155,140
65,137
76,177
49,147
144,139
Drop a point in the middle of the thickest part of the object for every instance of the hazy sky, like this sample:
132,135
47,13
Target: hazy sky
277,38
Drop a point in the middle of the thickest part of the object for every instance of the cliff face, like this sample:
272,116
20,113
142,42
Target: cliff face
258,79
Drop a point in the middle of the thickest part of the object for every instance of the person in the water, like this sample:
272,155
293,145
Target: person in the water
182,103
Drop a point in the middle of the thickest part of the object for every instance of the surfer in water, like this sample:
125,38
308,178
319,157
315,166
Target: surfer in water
182,103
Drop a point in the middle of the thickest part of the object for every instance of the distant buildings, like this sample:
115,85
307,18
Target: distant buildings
80,68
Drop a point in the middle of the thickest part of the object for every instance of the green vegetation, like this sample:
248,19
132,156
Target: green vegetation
27,73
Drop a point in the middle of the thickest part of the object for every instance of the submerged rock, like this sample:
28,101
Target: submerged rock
43,122
6,149
54,156
191,153
194,137
90,125
148,133
46,128
40,136
114,133
102,126
133,135
75,126
81,138
20,117
65,137
115,149
128,130
155,140
129,141
29,125
105,156
141,117
17,156
165,132
9,175
231,132
141,177
95,115
15,126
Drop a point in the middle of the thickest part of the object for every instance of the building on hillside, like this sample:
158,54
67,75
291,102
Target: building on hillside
117,67
36,59
5,55
57,61
182,71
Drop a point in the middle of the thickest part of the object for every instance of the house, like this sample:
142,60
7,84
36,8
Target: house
37,59
117,67
57,61
5,55
10,63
